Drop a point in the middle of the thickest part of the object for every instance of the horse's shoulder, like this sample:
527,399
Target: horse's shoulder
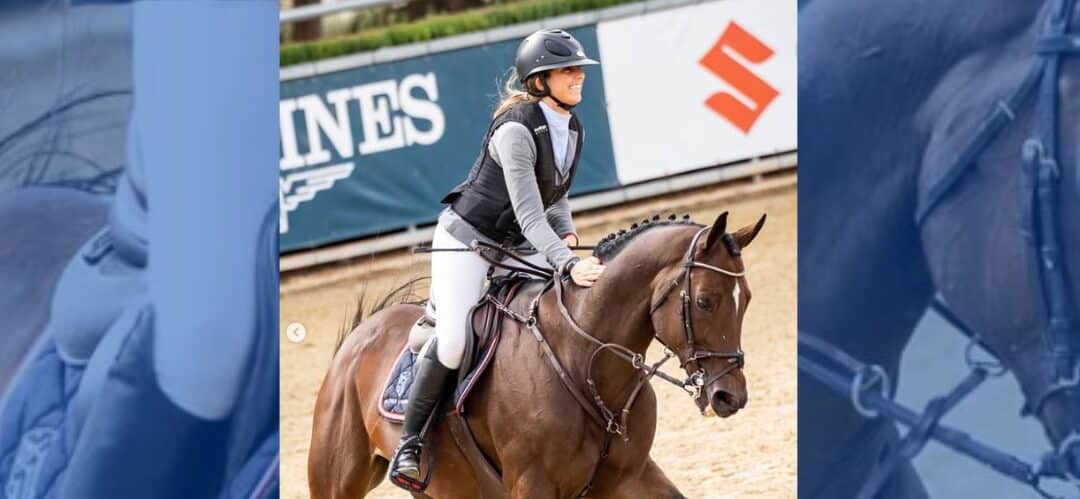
959,106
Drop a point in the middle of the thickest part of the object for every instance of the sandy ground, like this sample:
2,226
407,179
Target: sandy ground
751,454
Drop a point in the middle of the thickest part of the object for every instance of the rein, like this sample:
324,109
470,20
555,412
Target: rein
869,389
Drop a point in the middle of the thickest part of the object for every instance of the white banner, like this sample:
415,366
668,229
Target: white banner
700,85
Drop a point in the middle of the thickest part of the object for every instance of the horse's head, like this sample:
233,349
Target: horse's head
1002,241
697,312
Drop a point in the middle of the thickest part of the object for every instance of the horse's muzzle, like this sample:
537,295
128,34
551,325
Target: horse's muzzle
724,403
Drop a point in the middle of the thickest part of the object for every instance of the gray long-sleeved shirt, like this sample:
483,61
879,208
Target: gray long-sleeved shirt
513,149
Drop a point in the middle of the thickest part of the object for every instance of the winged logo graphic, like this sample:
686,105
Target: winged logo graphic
299,187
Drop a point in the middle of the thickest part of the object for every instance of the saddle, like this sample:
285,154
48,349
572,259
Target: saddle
484,333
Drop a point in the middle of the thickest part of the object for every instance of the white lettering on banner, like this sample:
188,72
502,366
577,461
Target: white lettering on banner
423,109
290,155
336,126
388,112
382,132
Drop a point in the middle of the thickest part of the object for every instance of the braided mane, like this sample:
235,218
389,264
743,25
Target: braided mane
610,246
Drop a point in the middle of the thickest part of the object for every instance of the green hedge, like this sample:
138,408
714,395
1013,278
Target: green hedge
438,26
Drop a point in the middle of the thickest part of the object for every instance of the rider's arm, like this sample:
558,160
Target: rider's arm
558,215
512,147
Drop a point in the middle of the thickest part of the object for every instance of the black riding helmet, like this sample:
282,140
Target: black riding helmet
545,50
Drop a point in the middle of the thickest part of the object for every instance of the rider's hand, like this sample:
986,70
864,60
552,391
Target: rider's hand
586,271
570,239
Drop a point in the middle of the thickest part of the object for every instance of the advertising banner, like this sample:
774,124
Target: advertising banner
683,93
373,149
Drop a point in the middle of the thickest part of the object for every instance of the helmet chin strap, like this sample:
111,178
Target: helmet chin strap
560,103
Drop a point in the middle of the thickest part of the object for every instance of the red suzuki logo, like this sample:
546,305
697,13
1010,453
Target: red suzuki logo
749,85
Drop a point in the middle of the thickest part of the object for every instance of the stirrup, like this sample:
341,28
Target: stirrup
408,483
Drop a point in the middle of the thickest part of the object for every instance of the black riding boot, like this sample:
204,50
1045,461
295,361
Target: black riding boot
427,389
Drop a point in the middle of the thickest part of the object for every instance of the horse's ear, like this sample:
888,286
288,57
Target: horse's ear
748,233
717,230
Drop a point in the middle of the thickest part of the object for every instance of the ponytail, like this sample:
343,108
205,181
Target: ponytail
511,93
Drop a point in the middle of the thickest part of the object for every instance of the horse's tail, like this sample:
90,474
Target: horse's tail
403,294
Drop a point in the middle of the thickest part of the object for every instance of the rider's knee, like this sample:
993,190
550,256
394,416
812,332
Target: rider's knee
450,351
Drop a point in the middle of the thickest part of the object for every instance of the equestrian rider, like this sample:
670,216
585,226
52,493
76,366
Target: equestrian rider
516,193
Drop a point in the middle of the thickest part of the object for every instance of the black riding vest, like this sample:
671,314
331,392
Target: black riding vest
483,200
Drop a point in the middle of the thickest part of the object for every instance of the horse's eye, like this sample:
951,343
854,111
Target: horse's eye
704,303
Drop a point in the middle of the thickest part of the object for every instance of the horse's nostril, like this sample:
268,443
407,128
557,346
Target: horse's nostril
723,398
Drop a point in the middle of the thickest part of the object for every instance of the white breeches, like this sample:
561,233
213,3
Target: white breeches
457,280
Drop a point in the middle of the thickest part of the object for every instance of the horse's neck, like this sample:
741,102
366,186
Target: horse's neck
893,57
616,308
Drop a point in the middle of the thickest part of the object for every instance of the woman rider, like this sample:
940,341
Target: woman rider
515,193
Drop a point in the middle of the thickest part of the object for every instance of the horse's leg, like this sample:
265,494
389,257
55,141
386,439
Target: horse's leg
349,441
340,466
379,466
650,482
534,483
341,461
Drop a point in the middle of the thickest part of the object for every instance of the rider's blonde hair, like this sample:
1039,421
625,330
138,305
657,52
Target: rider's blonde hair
512,93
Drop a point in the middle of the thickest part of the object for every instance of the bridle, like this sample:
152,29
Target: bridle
691,353
869,388
1040,159
615,423
1040,155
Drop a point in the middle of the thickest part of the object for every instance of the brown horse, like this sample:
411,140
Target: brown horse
678,282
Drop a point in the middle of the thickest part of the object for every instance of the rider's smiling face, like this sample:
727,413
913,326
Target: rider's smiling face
565,84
